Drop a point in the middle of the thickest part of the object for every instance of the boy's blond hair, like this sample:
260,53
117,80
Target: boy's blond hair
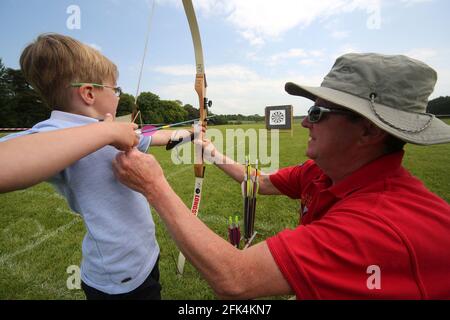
54,61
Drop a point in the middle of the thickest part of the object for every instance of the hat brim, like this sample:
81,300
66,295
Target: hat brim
435,133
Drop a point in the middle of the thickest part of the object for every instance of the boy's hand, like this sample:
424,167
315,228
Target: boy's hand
123,134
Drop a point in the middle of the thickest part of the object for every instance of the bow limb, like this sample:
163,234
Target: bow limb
200,88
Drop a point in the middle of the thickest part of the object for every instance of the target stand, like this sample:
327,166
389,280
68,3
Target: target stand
280,117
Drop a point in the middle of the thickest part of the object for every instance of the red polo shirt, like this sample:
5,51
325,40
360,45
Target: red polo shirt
378,233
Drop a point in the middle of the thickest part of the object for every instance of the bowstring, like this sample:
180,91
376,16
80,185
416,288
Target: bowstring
147,37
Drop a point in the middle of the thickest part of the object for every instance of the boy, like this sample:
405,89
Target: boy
120,251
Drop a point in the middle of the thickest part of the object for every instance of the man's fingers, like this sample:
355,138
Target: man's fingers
121,160
132,153
124,160
117,169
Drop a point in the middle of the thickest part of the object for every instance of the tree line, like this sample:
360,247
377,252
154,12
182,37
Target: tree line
439,106
21,106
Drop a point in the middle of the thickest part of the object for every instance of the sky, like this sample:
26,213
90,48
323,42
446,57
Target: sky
251,47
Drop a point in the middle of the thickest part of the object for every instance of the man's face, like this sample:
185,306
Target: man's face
333,138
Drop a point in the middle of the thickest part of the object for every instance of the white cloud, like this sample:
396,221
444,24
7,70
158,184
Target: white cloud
413,2
308,62
176,70
339,35
346,48
317,53
282,56
226,71
260,20
422,54
304,57
233,71
333,26
237,89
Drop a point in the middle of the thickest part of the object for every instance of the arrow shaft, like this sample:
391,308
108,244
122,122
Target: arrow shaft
171,125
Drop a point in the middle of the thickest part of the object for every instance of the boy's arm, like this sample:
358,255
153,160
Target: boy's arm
30,159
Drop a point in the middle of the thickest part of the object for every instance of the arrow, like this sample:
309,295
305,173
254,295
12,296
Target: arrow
149,130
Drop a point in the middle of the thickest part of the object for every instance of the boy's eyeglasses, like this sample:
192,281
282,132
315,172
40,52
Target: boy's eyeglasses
117,90
315,113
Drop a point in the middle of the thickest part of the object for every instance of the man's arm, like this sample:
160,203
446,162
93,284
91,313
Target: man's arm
232,273
30,159
236,170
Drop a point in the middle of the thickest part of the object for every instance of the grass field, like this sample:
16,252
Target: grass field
40,237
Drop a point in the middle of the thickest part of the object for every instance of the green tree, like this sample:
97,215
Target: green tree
3,83
192,113
125,106
172,111
156,111
6,95
149,105
439,106
28,105
218,120
21,106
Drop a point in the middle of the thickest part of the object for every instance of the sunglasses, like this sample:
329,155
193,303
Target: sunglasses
315,113
117,90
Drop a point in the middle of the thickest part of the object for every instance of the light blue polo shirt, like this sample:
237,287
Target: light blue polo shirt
119,248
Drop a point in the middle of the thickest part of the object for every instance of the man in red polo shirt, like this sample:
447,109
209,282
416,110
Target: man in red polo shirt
368,229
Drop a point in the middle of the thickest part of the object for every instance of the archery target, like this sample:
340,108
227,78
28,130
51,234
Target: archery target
277,117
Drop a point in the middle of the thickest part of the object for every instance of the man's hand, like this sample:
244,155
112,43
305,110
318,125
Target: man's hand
123,135
139,171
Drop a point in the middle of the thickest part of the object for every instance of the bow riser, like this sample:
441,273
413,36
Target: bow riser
200,88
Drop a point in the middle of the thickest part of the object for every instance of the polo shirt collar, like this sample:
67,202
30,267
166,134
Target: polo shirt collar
376,170
71,117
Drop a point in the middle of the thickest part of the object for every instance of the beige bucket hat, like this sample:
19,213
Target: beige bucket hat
390,90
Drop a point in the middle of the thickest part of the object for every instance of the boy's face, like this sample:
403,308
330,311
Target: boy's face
106,100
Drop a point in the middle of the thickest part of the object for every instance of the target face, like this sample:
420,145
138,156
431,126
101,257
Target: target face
277,117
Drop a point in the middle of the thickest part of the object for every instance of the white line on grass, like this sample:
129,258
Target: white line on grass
4,258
